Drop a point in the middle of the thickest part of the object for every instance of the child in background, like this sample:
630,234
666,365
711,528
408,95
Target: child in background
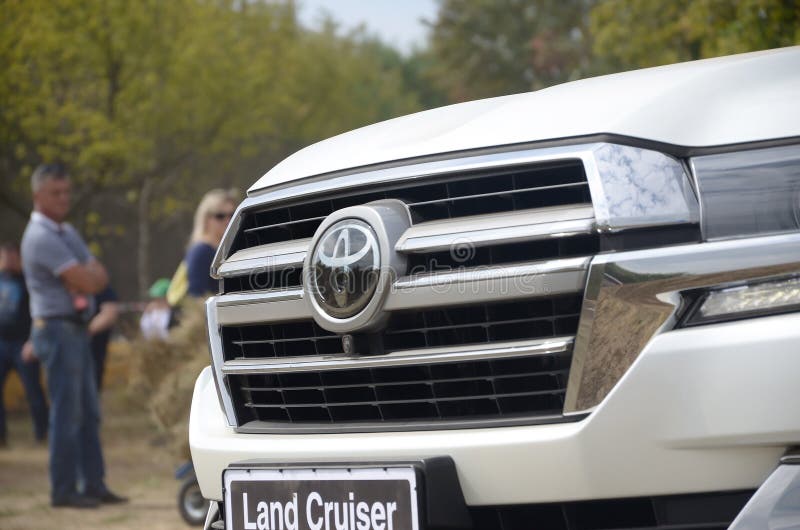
155,321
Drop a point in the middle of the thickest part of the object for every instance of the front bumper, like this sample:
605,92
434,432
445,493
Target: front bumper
711,408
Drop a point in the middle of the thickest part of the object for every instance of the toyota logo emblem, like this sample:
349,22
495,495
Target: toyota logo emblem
345,268
351,265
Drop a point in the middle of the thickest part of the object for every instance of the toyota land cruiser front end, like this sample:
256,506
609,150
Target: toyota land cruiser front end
570,309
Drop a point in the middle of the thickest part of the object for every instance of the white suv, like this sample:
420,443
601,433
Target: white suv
573,309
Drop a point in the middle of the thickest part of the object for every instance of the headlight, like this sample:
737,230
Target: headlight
748,193
746,301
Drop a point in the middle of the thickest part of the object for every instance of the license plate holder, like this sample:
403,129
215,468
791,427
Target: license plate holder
366,498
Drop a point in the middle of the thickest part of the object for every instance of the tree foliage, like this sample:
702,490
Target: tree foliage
484,48
639,33
151,103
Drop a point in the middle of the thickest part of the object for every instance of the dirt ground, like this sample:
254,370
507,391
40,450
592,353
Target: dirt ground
138,465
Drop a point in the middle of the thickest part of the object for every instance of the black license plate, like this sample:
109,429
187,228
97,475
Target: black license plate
379,498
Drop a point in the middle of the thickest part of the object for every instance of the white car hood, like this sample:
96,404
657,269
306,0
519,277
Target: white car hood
727,100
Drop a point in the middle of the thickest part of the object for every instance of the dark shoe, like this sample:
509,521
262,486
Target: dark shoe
76,501
106,496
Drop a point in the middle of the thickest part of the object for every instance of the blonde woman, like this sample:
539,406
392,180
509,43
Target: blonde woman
212,216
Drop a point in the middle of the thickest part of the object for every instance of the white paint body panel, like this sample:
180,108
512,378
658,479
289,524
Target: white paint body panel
705,409
727,100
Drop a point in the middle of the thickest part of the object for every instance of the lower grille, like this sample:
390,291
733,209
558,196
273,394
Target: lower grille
479,388
708,511
492,388
448,326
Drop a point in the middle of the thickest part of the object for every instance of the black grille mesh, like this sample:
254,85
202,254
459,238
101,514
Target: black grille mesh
273,341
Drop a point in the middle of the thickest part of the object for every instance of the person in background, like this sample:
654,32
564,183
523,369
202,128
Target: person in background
157,314
15,327
100,327
62,276
210,220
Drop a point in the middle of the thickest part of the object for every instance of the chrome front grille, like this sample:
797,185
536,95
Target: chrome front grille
481,327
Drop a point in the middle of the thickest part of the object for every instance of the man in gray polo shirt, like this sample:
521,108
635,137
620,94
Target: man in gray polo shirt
62,276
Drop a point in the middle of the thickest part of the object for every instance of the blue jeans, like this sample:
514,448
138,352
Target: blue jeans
11,359
63,347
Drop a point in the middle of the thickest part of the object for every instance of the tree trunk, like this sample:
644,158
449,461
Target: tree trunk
143,252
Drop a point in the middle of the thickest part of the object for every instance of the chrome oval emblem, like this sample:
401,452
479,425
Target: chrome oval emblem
345,268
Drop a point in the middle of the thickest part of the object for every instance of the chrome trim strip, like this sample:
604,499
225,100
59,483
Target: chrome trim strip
278,305
283,428
639,293
263,258
498,229
526,280
400,358
212,516
217,358
227,239
257,297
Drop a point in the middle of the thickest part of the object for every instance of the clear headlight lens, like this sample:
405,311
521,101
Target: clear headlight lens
759,299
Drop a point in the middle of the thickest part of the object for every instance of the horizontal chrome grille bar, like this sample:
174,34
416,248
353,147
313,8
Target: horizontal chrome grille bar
275,256
390,384
528,280
498,229
471,397
400,358
261,306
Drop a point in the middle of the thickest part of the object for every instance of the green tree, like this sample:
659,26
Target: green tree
484,48
151,103
640,33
